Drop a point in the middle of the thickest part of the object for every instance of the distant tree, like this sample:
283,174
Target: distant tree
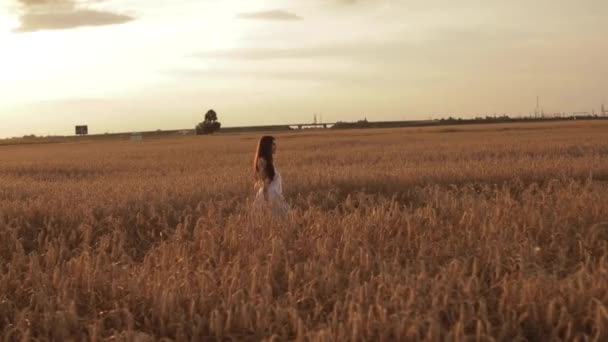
210,125
211,116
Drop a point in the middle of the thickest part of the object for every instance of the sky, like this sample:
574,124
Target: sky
138,65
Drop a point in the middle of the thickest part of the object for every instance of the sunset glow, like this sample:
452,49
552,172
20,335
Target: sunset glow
162,64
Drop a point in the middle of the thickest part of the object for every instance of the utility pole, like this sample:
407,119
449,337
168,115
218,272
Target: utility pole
604,113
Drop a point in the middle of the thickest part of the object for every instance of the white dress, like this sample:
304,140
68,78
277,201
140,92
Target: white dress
276,202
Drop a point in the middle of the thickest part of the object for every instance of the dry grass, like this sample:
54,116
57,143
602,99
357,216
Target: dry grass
479,232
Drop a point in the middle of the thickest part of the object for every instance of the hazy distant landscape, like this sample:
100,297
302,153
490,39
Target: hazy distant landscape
480,232
303,127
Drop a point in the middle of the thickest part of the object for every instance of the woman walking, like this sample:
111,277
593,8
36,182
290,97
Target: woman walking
268,179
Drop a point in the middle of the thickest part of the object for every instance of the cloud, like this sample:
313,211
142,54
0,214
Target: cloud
281,15
31,22
314,75
440,43
338,50
40,15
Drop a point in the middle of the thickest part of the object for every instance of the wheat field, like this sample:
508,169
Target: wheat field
480,233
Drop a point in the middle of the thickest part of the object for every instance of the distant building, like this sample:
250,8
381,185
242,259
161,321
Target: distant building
137,137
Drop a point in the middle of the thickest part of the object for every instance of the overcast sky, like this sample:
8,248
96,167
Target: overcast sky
132,65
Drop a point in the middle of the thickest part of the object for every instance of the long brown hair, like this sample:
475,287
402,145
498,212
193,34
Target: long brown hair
264,151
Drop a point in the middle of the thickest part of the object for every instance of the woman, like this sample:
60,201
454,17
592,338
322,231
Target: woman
268,179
